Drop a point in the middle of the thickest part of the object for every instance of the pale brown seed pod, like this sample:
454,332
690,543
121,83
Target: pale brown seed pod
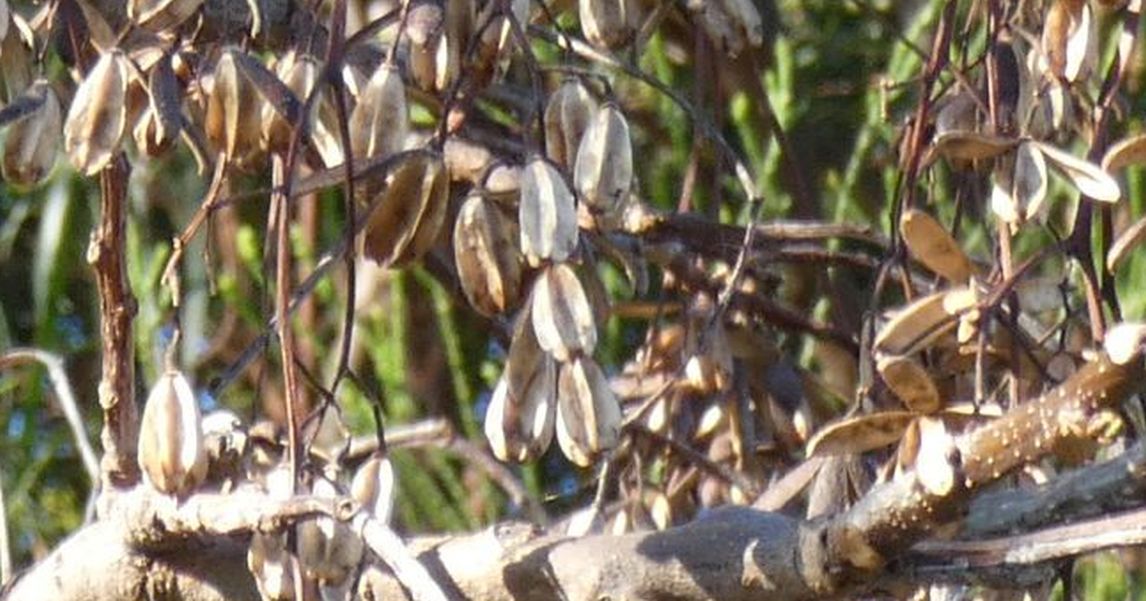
233,107
171,450
486,255
603,174
328,549
609,24
409,216
546,214
17,57
588,414
162,120
32,143
562,317
380,120
567,115
373,487
521,429
97,118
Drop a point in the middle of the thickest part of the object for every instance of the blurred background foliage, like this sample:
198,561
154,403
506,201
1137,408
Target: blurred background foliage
840,80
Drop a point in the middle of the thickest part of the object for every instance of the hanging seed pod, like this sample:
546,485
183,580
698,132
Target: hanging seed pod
588,414
270,563
328,549
380,120
1069,40
487,258
546,214
603,175
407,218
162,121
492,55
910,382
233,104
562,316
161,15
745,20
300,75
97,118
33,141
425,30
373,487
916,325
17,57
568,114
521,429
608,24
931,244
1089,178
171,450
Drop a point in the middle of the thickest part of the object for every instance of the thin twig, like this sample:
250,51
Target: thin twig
67,399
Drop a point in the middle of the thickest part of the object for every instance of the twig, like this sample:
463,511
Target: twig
391,550
66,398
117,311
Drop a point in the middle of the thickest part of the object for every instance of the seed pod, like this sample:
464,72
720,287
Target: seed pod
328,549
269,562
931,244
232,105
923,320
745,19
487,258
910,382
521,429
567,115
373,487
562,316
380,120
408,216
547,215
162,121
588,415
491,57
97,118
603,175
161,15
300,75
33,141
1070,40
171,450
17,57
608,24
425,29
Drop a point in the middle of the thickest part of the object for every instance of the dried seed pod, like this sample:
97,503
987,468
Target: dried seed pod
1127,241
910,382
588,414
969,146
568,114
1089,178
1124,342
270,563
380,120
97,118
171,450
745,19
860,433
232,106
425,30
486,255
300,75
1069,40
33,141
161,15
546,214
1020,186
603,174
18,65
609,24
931,244
520,429
373,487
562,316
925,319
162,121
328,549
409,212
491,57
1129,151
